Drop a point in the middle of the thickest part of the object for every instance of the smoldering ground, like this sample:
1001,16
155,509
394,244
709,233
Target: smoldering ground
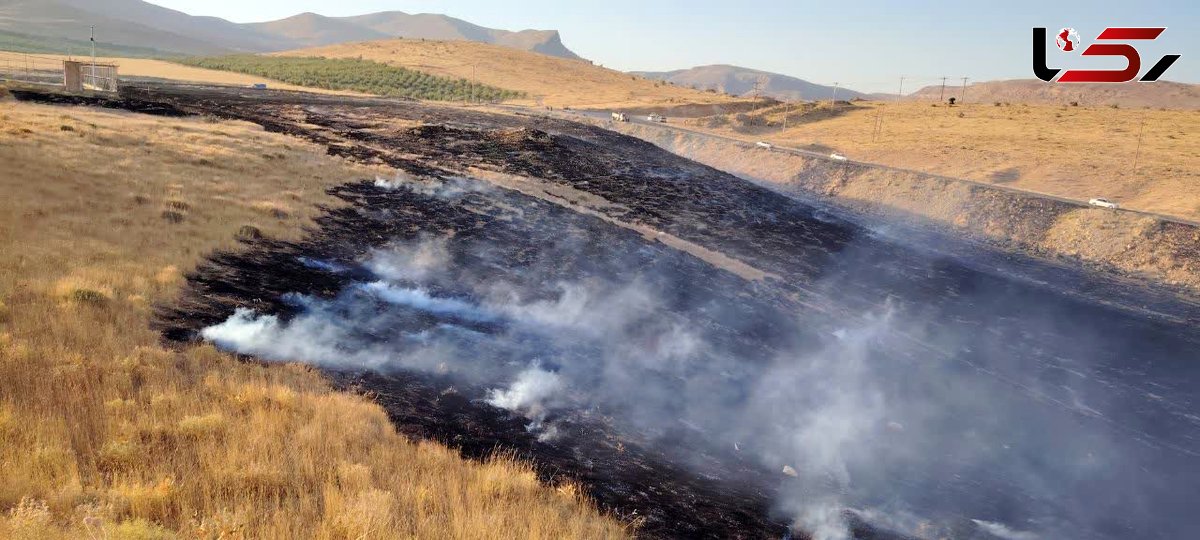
896,393
901,390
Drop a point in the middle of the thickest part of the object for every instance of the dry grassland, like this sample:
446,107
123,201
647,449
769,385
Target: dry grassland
104,433
548,80
1072,152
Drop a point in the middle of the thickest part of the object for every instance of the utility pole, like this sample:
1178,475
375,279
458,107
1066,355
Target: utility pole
786,111
1138,154
93,55
835,89
878,126
962,96
900,94
473,82
759,84
942,94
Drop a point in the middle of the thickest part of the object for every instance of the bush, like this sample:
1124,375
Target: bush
355,75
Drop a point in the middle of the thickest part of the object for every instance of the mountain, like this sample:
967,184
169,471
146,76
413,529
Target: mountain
57,22
1160,94
741,81
441,27
312,30
139,24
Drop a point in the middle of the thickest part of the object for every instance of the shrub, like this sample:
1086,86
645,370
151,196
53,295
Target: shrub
171,216
249,232
88,296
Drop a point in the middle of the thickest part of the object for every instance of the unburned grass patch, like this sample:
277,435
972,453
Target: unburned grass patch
105,433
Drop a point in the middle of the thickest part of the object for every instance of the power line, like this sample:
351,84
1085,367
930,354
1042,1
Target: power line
942,94
962,96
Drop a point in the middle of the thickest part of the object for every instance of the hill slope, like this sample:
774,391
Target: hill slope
60,21
1166,94
741,81
546,79
310,29
442,27
139,24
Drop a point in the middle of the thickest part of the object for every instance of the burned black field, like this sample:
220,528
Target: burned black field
704,355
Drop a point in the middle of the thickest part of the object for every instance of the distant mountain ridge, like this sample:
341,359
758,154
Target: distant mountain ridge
135,23
746,82
1157,94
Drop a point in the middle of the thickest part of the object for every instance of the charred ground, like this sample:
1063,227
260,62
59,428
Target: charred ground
825,269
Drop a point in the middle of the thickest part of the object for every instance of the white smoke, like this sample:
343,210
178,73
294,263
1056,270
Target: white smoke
420,299
825,410
449,188
822,519
1002,531
306,338
530,392
410,262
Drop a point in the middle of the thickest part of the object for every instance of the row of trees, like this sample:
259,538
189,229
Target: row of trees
356,75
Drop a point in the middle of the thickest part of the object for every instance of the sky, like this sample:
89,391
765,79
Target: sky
867,45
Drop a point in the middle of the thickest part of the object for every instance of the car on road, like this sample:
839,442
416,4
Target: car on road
764,144
656,118
837,157
1104,203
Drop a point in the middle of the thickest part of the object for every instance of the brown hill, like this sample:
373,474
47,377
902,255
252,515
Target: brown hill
746,82
548,80
310,29
135,23
1161,94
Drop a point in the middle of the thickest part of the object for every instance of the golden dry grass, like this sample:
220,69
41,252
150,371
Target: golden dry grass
159,69
548,80
106,434
1073,152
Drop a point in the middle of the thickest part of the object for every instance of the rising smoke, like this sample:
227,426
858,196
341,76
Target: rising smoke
883,414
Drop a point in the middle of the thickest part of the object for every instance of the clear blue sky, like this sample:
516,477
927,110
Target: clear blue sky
863,44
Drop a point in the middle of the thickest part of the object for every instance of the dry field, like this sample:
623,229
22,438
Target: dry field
549,80
159,69
1073,152
106,434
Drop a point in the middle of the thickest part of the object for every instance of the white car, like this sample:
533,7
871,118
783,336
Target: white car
656,118
764,144
1104,203
837,157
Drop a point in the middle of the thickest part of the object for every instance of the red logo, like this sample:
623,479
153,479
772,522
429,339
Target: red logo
1068,40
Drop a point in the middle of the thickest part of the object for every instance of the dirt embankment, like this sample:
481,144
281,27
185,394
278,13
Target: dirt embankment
1127,243
698,110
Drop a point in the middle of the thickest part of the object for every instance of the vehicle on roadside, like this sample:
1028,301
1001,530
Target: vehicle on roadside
837,157
1104,203
654,117
619,117
764,144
